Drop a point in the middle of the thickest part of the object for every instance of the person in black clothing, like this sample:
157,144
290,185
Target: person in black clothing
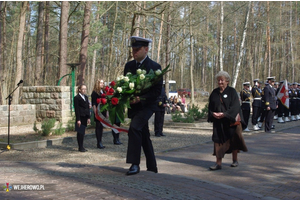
293,102
96,99
160,114
96,96
245,98
82,113
256,104
142,108
270,103
280,109
223,107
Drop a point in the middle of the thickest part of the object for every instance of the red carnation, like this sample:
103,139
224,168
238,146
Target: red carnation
103,101
98,100
113,83
106,89
111,90
103,95
114,101
108,93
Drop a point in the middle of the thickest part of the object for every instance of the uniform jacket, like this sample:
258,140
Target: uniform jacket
149,99
82,108
245,97
270,97
161,100
256,93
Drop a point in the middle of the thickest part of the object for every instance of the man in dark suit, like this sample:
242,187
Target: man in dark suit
82,113
159,116
270,104
142,108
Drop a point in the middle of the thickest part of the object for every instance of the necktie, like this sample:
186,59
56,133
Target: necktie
138,65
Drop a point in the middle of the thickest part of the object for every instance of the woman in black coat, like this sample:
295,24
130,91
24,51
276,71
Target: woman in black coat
82,112
96,94
224,105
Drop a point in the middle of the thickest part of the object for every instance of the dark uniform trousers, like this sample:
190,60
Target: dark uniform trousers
270,101
280,109
269,119
159,122
139,136
246,112
256,110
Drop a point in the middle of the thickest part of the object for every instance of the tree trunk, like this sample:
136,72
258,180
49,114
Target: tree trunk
95,51
221,37
39,45
291,42
84,43
3,66
242,46
268,38
168,35
110,62
19,50
1,53
47,68
159,42
192,57
63,53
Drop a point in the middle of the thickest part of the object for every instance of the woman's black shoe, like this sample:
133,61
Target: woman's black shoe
100,146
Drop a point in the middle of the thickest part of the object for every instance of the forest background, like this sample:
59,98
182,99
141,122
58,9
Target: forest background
196,38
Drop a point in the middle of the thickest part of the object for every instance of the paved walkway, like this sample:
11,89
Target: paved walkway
269,170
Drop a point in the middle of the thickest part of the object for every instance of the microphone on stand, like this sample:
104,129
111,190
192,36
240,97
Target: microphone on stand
21,81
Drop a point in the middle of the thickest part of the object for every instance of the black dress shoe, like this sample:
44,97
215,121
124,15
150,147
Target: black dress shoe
162,134
117,142
82,150
134,169
100,146
153,170
273,127
157,135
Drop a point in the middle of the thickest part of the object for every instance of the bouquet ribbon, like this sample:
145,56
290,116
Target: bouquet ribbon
105,122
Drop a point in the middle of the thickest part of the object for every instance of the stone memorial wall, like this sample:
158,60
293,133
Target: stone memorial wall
19,114
50,101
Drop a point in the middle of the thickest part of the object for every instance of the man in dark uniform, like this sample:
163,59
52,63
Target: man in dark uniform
276,85
287,110
263,107
142,108
256,105
270,103
160,114
280,109
245,98
298,101
293,101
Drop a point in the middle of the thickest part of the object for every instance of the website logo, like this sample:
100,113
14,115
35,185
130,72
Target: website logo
7,187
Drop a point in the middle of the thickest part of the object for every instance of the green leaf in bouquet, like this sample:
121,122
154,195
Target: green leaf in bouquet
120,112
103,107
112,115
130,91
128,104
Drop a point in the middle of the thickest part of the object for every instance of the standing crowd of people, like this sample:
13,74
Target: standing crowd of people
266,106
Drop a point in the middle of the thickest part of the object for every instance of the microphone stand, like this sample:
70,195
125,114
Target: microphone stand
9,97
